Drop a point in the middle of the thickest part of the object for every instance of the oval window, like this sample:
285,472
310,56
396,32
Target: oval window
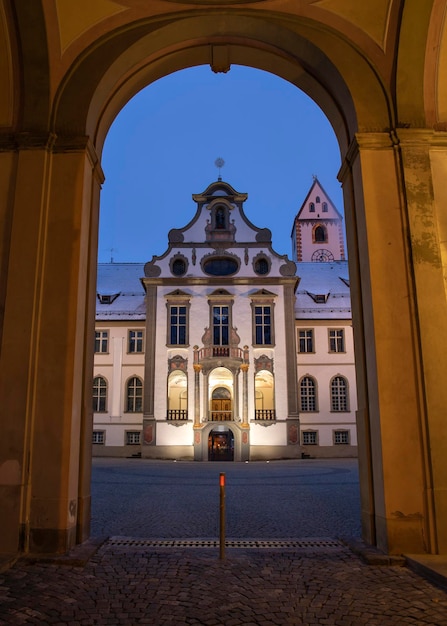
262,266
178,267
221,266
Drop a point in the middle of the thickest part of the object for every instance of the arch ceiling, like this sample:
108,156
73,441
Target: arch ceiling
76,64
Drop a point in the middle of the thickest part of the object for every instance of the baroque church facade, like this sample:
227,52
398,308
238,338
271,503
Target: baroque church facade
222,349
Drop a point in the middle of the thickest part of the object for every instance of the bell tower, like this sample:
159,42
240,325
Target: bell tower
317,233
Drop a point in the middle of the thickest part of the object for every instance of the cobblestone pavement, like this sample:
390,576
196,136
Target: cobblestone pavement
297,581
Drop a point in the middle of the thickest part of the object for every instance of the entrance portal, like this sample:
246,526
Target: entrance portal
221,445
221,405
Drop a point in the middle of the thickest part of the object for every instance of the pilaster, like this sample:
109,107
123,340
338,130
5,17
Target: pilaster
424,159
47,353
390,412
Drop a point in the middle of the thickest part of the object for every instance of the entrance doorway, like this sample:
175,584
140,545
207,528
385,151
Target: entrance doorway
221,405
221,445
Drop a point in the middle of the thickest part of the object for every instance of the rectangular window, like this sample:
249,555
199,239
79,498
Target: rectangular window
132,437
221,325
341,437
309,437
336,340
101,341
306,340
263,325
136,340
177,322
98,437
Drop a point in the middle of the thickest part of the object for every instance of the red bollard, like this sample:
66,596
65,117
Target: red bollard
222,517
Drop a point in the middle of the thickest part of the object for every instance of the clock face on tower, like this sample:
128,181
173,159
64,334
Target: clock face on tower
322,256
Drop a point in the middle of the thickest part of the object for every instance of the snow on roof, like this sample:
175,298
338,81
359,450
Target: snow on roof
120,284
323,291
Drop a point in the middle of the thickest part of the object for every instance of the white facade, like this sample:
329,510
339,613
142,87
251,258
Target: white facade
205,361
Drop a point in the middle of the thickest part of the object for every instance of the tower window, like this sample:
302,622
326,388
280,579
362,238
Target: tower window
320,234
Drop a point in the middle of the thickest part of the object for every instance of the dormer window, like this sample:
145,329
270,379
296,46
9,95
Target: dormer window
318,298
107,298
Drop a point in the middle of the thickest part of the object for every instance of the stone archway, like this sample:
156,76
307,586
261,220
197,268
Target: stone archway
376,75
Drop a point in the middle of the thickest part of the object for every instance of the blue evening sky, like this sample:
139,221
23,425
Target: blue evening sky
162,147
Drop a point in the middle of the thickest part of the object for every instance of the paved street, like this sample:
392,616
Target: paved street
157,499
160,564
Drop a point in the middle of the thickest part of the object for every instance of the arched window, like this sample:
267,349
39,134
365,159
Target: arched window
134,395
320,234
317,199
324,207
308,394
339,394
99,394
177,395
312,207
264,396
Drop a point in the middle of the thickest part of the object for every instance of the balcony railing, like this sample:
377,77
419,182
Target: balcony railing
210,352
221,416
265,414
176,415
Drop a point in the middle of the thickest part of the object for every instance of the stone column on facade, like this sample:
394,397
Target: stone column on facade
47,363
290,347
244,369
197,369
149,421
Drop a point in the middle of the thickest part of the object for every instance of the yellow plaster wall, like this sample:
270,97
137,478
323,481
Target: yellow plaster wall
6,72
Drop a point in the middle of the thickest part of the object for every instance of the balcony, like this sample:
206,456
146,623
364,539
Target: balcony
265,415
177,415
221,352
220,416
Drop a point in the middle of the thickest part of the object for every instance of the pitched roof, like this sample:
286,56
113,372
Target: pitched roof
123,281
323,291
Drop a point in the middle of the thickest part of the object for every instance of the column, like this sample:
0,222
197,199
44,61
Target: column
424,159
244,368
394,503
197,369
47,352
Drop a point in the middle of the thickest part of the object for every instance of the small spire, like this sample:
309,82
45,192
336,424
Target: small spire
219,163
315,177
